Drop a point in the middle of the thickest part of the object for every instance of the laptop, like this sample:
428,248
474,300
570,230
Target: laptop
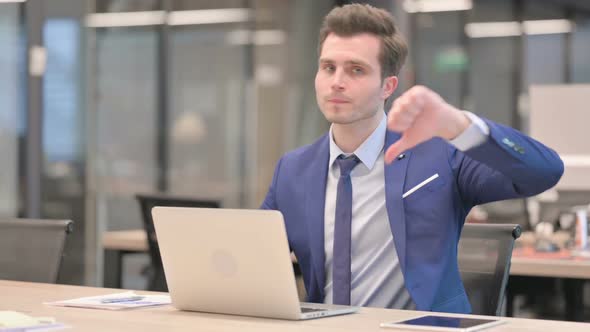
232,262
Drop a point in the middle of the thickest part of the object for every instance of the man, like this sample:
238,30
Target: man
374,209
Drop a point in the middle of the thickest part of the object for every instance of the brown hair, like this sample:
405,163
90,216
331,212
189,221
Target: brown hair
353,19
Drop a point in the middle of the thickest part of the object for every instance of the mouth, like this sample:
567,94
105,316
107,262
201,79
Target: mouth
338,101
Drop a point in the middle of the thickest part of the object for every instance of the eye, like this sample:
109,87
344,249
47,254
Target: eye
328,68
358,70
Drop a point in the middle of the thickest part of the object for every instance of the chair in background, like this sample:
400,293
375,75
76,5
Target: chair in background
157,279
32,249
510,211
484,255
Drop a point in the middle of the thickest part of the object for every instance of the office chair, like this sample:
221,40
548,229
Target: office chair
510,211
157,279
32,249
484,255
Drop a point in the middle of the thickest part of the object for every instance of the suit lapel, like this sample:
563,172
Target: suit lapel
315,205
395,174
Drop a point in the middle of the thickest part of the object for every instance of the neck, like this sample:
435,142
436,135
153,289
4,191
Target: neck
350,136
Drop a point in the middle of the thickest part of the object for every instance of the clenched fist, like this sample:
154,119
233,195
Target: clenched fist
419,115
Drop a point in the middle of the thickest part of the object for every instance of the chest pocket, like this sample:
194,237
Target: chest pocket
424,187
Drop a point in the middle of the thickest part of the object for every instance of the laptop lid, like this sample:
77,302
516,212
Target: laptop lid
227,261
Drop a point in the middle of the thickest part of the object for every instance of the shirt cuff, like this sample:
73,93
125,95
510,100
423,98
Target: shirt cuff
476,134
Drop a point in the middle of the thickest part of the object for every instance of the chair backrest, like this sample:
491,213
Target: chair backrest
32,249
146,203
510,211
484,255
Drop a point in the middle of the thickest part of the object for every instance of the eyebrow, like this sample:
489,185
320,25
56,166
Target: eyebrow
349,62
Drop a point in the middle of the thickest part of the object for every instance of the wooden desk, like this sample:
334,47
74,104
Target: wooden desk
574,271
29,297
130,240
527,262
555,265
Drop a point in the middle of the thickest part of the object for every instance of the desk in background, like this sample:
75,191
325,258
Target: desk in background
119,243
29,297
116,245
527,262
574,271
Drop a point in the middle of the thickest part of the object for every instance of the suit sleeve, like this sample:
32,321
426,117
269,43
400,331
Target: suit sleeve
270,201
508,165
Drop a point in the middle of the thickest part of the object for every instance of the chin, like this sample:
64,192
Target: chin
338,118
342,117
331,115
336,115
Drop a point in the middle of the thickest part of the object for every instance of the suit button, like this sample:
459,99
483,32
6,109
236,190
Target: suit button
508,142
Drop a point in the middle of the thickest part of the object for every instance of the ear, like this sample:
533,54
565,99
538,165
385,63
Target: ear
389,86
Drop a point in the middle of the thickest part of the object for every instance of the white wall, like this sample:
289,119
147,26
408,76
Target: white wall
560,118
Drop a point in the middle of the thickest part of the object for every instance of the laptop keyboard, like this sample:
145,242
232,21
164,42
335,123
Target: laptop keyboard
310,309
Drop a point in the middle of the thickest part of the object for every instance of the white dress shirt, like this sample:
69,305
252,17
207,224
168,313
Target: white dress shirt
376,276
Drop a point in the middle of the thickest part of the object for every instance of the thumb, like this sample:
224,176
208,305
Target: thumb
396,149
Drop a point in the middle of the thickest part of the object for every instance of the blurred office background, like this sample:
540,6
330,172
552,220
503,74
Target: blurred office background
103,99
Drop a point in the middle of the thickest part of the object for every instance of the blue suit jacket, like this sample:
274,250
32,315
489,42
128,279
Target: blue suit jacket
426,225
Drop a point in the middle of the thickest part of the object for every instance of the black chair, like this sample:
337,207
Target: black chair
510,211
157,280
484,254
32,249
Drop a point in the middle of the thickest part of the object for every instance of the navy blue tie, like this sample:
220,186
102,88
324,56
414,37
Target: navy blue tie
341,253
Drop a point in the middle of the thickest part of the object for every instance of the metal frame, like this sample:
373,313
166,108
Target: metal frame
163,100
33,166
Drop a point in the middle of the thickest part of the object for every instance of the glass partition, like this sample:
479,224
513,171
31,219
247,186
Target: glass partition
13,108
125,101
207,110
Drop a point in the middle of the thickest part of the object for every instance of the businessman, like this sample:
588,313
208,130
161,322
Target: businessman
375,207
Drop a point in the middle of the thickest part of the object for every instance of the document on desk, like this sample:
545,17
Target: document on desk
12,321
117,301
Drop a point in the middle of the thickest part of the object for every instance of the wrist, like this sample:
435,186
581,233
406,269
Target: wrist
458,122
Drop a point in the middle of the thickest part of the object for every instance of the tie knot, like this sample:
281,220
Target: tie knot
346,164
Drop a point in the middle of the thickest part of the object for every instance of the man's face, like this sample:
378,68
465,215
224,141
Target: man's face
348,83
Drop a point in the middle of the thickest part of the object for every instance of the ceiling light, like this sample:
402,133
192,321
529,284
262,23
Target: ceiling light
125,19
429,6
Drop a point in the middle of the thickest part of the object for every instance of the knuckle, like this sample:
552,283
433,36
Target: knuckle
420,90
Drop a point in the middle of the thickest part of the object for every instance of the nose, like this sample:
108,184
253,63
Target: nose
338,80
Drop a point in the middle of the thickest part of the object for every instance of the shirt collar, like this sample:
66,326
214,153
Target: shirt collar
368,151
